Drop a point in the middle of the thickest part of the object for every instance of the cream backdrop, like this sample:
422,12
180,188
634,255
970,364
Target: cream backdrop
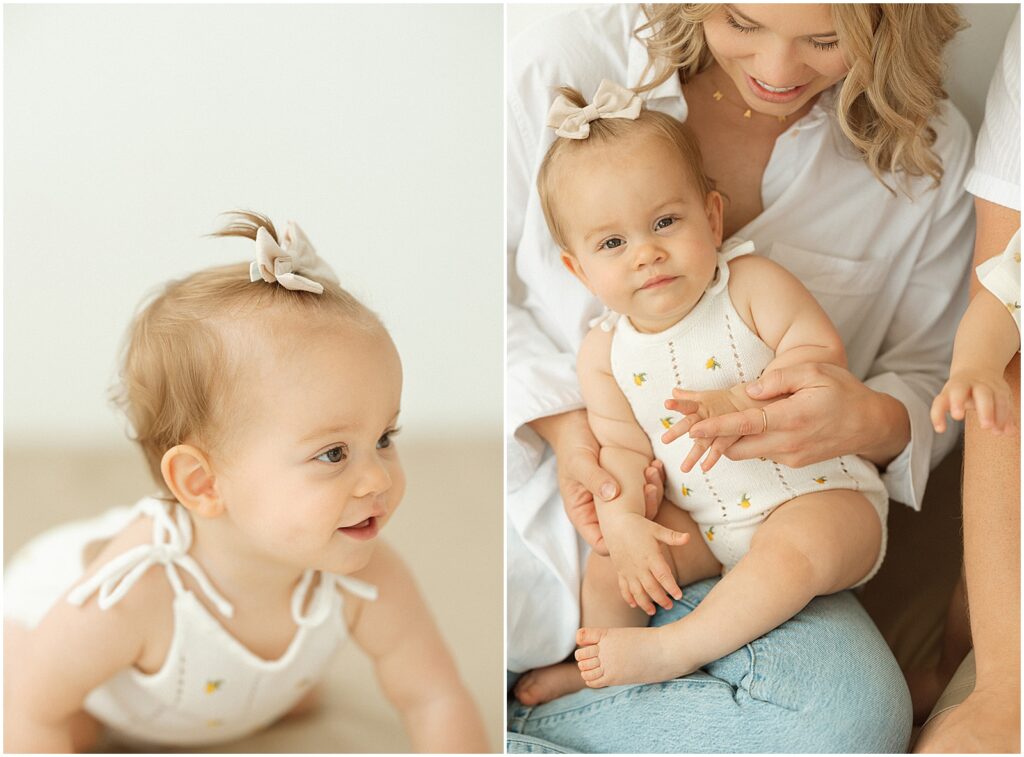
128,128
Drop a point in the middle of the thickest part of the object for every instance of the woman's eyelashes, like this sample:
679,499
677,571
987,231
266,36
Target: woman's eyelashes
731,21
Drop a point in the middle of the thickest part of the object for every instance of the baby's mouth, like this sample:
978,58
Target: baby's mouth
363,530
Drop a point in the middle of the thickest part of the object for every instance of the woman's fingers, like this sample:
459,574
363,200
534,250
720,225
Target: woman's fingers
742,423
594,478
781,381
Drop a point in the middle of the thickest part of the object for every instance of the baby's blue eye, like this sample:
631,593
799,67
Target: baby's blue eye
333,455
611,244
664,223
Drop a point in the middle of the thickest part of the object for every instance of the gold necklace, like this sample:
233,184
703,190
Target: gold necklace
748,113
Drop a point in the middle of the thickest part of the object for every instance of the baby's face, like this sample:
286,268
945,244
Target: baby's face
314,474
641,236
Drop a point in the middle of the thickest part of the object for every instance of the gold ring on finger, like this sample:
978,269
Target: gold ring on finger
764,416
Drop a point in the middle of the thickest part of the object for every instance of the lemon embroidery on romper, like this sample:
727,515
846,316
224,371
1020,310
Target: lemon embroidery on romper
710,533
745,501
214,723
666,422
686,492
711,364
639,378
212,686
1016,258
821,479
1011,306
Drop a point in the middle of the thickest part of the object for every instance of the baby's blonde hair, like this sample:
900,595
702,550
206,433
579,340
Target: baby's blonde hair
893,88
177,373
603,131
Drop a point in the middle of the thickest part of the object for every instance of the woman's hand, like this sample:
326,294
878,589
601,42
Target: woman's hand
824,411
581,478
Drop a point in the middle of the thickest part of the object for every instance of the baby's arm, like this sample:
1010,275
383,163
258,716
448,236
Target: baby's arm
413,665
49,670
784,314
631,538
986,341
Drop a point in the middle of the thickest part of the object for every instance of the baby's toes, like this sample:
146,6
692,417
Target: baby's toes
589,663
588,636
586,653
593,678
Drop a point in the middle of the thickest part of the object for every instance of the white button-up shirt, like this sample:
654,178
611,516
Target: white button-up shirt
891,272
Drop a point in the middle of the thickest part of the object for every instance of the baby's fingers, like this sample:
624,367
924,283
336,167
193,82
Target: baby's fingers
958,396
663,575
940,406
640,596
718,448
655,592
1005,422
680,428
700,446
984,405
627,596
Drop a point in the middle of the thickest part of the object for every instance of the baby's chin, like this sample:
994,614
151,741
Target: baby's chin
354,560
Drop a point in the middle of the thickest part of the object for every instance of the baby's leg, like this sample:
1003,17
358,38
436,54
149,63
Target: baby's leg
815,544
600,603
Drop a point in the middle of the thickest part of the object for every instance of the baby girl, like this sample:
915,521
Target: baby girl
638,223
265,399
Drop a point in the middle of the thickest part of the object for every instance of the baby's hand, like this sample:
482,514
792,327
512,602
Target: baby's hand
644,573
985,391
699,406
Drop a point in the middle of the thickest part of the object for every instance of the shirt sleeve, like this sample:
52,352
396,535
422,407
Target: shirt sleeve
996,173
540,376
913,362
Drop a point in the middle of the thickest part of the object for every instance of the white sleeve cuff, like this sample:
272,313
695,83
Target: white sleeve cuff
906,476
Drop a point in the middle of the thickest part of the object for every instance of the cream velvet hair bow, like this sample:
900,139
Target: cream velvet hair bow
610,101
293,264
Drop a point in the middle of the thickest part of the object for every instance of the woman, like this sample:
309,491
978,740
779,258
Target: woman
827,130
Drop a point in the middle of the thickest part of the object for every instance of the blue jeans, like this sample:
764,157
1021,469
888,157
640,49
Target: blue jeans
824,681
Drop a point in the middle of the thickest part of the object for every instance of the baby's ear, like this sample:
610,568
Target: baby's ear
571,262
189,476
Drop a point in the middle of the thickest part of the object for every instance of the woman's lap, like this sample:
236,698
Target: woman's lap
824,681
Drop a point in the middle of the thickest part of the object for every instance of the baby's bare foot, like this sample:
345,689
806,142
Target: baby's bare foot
544,684
614,656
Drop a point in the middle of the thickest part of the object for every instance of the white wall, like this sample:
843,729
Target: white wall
971,57
128,128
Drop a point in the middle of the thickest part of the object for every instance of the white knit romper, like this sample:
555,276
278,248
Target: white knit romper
712,348
211,688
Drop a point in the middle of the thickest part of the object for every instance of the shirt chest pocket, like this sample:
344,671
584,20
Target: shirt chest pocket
846,289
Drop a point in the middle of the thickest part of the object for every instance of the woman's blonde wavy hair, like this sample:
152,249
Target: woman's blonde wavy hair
892,90
604,130
179,374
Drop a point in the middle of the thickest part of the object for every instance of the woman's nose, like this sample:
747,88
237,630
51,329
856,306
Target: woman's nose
779,64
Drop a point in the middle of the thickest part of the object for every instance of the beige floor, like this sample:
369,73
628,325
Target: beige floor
449,530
